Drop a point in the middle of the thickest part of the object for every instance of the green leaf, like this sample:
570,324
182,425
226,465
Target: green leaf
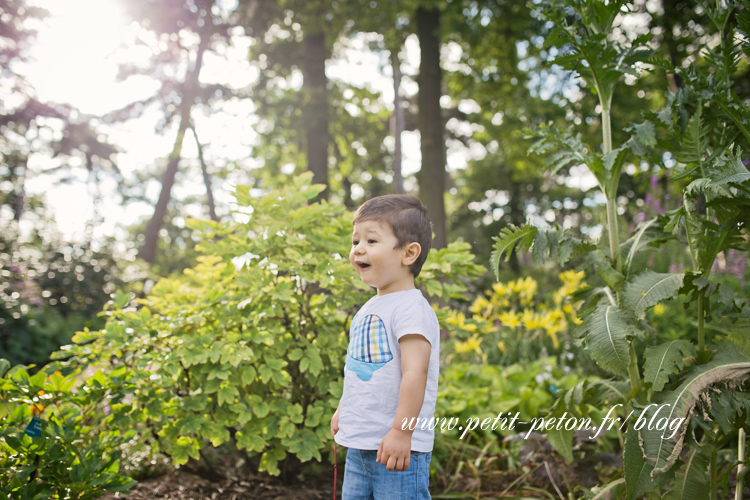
648,233
731,364
562,441
306,445
665,360
250,442
227,394
605,333
638,479
247,375
506,242
694,143
609,491
4,366
649,288
606,272
692,481
218,373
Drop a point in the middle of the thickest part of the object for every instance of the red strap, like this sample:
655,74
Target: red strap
334,470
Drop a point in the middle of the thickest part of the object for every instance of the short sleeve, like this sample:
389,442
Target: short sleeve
415,317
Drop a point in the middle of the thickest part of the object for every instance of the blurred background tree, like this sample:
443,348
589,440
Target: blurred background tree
449,81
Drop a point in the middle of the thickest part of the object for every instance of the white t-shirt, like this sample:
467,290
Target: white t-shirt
372,375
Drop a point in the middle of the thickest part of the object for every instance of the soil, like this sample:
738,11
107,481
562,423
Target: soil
234,485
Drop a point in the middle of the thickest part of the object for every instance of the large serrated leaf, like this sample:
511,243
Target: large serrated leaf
694,143
637,468
650,288
507,240
664,360
606,334
730,365
691,482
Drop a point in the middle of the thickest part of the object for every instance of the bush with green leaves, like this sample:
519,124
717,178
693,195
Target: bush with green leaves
56,441
705,128
50,288
248,347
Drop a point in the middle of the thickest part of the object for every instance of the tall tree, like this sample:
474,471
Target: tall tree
309,120
432,175
315,90
180,33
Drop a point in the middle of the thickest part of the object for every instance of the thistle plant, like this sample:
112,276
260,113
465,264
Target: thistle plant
701,382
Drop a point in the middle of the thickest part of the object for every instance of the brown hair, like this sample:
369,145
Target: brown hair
408,220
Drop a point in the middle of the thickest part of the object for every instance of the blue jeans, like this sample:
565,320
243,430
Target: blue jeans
366,479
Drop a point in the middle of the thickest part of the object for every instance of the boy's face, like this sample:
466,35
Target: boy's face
377,260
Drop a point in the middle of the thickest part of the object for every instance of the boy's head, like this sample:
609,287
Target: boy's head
406,217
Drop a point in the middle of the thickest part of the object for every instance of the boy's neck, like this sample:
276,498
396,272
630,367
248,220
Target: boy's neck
398,286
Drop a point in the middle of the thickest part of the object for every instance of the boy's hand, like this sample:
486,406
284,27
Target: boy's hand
335,423
395,450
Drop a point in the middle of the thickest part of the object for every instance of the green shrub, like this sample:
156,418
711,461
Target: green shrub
248,347
55,441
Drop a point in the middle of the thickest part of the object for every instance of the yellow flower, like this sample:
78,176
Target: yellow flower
509,319
459,321
500,289
472,344
530,320
481,306
659,309
501,346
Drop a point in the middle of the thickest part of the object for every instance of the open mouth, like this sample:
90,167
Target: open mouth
363,265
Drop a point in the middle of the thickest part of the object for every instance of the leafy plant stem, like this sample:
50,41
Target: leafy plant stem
633,372
712,473
614,239
741,458
702,322
611,192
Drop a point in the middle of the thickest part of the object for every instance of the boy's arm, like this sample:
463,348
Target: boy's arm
395,449
335,423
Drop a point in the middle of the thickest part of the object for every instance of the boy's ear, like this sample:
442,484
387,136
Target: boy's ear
411,252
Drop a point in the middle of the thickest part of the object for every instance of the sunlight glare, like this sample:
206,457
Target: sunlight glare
73,58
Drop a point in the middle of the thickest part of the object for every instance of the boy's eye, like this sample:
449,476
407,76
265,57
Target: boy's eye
371,241
355,243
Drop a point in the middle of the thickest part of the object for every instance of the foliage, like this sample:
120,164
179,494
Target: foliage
707,143
469,390
51,288
515,322
56,440
247,347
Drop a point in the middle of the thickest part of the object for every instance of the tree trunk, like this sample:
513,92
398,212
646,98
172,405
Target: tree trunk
315,106
148,250
206,177
431,176
398,123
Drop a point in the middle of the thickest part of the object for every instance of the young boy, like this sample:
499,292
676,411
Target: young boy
391,371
